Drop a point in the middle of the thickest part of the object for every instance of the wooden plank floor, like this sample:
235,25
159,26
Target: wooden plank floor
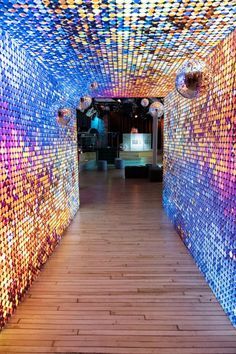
120,282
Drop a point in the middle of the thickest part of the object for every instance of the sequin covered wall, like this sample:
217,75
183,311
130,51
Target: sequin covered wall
200,174
38,172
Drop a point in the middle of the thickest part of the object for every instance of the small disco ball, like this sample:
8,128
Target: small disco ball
66,112
64,116
193,79
156,109
94,85
145,102
85,102
80,107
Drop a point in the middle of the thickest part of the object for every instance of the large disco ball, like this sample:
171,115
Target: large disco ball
85,102
145,102
156,109
193,78
94,85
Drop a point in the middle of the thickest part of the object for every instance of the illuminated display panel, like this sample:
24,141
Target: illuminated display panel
130,47
200,174
38,172
137,142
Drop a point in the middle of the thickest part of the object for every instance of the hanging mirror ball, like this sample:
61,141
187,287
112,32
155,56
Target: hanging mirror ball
94,85
156,109
64,116
85,102
145,102
193,79
80,106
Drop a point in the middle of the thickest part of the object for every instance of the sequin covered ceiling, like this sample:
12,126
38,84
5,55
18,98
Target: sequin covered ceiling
131,47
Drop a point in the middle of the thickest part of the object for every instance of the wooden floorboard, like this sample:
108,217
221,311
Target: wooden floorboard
121,281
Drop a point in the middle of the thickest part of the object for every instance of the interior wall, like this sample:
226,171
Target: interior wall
122,122
38,171
200,174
